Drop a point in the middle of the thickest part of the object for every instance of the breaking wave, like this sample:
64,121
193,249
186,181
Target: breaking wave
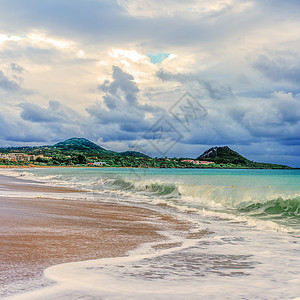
279,207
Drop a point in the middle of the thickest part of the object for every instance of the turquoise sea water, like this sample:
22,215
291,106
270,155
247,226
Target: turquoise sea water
272,195
252,250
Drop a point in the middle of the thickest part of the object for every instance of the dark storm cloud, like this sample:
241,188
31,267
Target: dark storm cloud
34,113
217,91
105,21
7,84
213,89
242,122
55,115
13,129
280,68
76,19
16,68
120,115
120,105
39,124
124,82
276,118
236,121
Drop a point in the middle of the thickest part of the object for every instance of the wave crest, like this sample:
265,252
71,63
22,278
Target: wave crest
280,207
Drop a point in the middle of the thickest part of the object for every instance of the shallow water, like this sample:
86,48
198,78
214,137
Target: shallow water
250,249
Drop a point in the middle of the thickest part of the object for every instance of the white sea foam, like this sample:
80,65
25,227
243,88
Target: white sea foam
214,267
248,255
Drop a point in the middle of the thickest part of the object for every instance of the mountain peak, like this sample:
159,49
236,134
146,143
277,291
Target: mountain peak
79,144
223,155
82,144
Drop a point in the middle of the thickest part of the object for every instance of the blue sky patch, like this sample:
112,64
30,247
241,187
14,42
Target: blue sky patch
158,57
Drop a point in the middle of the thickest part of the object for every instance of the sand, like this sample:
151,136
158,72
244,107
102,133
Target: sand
37,232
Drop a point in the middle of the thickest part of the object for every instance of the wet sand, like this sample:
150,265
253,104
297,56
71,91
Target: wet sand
39,232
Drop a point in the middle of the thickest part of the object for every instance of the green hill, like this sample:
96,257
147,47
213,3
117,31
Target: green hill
225,155
132,154
72,146
82,145
81,151
87,147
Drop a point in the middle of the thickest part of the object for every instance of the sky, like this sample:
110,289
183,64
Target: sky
168,78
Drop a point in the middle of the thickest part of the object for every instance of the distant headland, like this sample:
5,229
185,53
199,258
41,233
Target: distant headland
82,152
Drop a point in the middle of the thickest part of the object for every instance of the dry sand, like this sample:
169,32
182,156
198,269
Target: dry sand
39,232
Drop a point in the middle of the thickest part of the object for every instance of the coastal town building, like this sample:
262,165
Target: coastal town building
97,163
18,156
15,156
198,162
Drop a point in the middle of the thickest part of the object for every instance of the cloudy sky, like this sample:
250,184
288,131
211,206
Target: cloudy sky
117,73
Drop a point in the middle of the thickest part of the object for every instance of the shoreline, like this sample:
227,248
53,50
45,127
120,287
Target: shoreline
215,253
37,232
108,167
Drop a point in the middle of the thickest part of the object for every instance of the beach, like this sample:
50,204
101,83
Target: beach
120,233
37,232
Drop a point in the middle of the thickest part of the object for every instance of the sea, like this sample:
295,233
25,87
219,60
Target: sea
246,243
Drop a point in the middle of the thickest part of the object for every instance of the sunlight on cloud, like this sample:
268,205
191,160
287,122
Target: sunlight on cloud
80,53
185,62
40,38
138,65
129,54
4,38
36,39
133,62
141,66
189,8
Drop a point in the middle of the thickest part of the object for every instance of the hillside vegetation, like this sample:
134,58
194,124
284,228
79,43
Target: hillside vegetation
225,155
80,151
